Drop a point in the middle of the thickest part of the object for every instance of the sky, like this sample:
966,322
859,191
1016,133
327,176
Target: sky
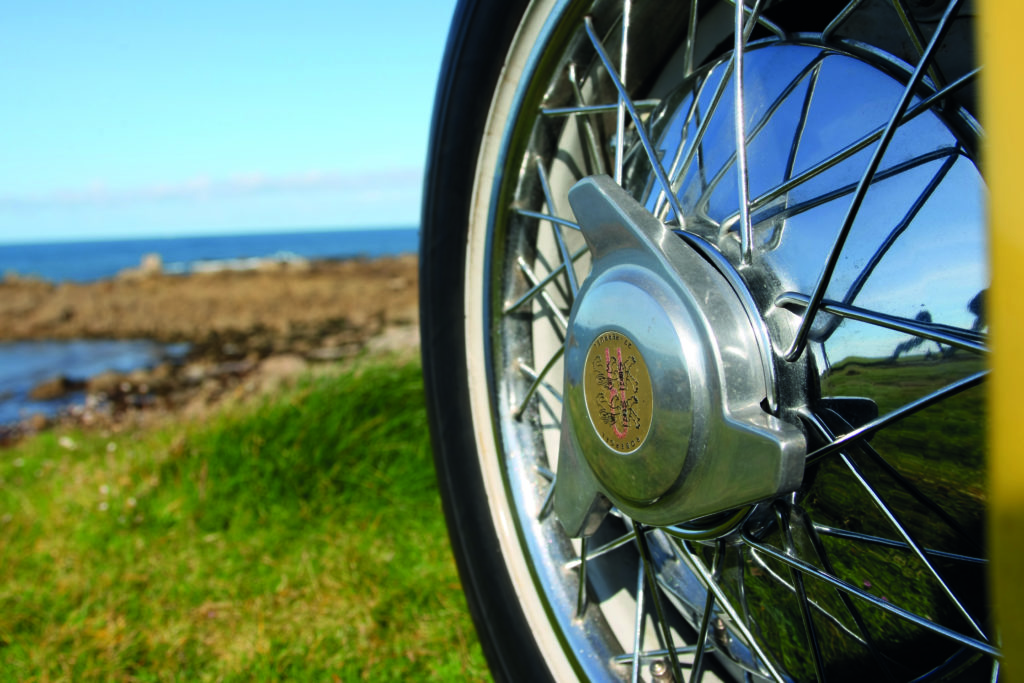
129,119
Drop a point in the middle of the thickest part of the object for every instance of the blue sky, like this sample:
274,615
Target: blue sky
127,119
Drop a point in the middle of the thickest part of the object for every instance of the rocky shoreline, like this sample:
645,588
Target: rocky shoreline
248,331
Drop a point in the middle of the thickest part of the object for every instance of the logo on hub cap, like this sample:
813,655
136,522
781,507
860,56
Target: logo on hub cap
618,392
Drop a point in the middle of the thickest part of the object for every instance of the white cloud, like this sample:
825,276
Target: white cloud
356,186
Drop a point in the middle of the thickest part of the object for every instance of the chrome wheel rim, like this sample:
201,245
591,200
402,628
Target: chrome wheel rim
635,595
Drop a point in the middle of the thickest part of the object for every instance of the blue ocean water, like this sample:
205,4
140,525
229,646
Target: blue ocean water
87,261
25,364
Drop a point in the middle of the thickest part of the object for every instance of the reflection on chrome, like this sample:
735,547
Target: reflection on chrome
848,195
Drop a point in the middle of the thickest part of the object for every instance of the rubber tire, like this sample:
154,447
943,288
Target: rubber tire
480,30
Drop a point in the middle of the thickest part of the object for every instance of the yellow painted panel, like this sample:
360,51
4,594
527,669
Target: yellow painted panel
1003,119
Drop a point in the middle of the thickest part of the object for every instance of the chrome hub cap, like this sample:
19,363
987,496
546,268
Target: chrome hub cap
665,379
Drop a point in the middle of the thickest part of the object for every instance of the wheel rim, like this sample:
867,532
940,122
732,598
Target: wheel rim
795,586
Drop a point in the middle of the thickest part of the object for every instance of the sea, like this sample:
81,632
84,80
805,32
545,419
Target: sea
23,365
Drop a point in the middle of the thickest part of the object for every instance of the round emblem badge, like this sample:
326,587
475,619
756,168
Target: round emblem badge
618,392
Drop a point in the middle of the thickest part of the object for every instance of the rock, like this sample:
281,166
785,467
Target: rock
395,340
284,366
105,383
244,330
403,315
329,353
15,278
232,369
37,422
152,264
162,373
55,387
195,373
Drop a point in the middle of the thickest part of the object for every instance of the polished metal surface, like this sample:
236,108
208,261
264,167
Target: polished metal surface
875,556
708,443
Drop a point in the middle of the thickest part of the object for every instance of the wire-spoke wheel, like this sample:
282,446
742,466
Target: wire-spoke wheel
704,338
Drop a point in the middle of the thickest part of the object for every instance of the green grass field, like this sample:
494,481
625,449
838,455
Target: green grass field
299,539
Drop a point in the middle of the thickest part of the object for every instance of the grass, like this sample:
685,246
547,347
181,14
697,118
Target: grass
298,539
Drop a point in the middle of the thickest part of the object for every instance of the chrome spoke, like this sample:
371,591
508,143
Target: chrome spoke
532,375
894,416
900,480
538,379
693,148
556,312
741,33
702,171
801,125
546,504
620,111
564,222
891,172
759,19
839,19
705,620
800,340
742,583
861,144
767,569
811,70
801,595
913,32
874,600
538,288
638,622
691,39
659,609
596,153
894,234
596,108
940,334
909,542
604,549
888,543
915,547
865,636
659,654
627,103
739,112
563,249
581,594
944,92
697,566
911,29
674,170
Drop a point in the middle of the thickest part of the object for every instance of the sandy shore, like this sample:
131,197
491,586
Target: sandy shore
248,330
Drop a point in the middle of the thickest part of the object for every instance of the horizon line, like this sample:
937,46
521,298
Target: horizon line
213,232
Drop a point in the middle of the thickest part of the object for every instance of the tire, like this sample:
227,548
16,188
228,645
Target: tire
858,549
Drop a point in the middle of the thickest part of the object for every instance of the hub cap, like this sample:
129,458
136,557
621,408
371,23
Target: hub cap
665,380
